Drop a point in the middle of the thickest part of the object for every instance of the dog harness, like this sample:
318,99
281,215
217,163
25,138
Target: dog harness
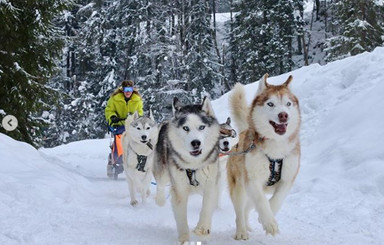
275,166
141,161
191,173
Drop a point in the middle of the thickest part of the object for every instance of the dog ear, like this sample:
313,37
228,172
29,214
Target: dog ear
263,84
135,115
228,122
151,115
286,84
207,107
176,105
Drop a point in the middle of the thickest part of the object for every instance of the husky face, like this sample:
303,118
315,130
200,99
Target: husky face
275,110
194,131
227,136
143,129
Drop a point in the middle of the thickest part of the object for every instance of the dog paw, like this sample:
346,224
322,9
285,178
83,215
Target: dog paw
202,231
271,227
184,238
241,236
134,202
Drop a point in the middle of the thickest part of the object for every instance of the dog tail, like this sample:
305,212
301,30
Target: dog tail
238,107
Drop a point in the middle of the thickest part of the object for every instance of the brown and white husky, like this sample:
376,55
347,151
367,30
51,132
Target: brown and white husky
268,153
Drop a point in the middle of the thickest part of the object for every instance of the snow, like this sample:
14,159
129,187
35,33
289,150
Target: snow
62,196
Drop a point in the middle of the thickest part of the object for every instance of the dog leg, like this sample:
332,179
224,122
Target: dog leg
248,208
179,207
279,195
161,182
160,194
266,217
145,192
239,200
131,186
203,227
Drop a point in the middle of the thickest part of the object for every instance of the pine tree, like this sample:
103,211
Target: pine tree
262,38
202,64
359,28
29,43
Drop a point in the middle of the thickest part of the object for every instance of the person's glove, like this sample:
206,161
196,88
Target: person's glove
115,119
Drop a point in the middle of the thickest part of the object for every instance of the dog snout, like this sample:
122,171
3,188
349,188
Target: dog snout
144,137
283,117
225,143
195,144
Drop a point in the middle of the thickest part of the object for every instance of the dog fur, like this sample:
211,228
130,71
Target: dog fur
272,124
228,138
189,141
141,133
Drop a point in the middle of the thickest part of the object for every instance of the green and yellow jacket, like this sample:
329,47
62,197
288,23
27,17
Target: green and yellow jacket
118,106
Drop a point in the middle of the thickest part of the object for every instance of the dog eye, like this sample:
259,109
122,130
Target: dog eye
289,103
202,127
148,128
270,104
138,128
186,128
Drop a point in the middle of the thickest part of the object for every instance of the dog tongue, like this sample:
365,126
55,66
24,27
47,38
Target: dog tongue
280,128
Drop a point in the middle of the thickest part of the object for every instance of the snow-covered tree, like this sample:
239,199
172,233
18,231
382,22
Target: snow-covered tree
261,38
359,27
29,43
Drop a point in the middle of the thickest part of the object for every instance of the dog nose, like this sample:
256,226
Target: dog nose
283,117
225,143
143,137
195,144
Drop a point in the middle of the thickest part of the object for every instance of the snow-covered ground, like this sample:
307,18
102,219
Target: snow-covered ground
62,196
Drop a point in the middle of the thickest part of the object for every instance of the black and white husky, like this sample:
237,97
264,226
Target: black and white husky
187,158
139,139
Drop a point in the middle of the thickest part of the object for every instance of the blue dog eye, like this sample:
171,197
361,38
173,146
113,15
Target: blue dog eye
186,128
270,104
202,127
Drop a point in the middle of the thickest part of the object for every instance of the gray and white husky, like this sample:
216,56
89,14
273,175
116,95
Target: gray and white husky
187,158
139,139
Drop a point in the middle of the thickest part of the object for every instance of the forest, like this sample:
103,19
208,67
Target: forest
61,59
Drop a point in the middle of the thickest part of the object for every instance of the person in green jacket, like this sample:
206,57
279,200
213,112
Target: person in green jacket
124,100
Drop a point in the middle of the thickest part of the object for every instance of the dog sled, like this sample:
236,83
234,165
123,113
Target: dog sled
115,157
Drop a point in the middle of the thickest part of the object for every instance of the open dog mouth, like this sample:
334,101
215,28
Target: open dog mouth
279,128
225,149
195,152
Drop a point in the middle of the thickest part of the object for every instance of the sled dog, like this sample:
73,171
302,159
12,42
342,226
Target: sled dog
268,156
139,139
228,138
187,158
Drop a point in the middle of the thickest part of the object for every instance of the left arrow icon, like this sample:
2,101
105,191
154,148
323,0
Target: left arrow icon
9,122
